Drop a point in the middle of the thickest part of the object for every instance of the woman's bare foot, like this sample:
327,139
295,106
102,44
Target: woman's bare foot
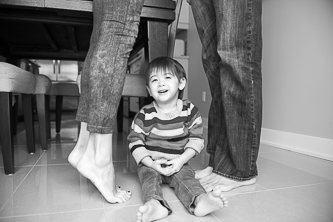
209,202
214,181
80,146
199,174
151,211
97,166
128,194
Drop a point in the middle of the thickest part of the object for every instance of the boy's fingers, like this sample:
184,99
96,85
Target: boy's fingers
161,161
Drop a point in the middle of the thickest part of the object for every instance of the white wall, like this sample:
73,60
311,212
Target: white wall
297,75
197,78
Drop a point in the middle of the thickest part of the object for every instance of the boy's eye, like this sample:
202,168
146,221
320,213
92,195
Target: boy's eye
168,76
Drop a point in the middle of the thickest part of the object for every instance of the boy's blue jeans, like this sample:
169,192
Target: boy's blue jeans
186,187
230,32
114,32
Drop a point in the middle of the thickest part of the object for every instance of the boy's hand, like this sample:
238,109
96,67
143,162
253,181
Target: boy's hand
157,165
174,166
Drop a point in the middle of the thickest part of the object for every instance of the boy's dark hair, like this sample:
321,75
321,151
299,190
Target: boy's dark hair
165,64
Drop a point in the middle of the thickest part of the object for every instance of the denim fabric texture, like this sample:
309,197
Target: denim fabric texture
115,29
230,32
186,187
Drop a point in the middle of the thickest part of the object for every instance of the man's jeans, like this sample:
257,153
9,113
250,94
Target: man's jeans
230,32
114,32
186,187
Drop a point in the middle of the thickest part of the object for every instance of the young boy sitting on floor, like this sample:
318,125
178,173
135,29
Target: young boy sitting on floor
165,135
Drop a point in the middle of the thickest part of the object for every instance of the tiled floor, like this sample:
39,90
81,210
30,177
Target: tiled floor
290,187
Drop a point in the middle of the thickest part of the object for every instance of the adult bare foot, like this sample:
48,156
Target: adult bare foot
214,181
199,174
97,166
80,146
209,202
151,211
128,194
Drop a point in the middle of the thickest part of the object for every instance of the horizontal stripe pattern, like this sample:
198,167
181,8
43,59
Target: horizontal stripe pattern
166,136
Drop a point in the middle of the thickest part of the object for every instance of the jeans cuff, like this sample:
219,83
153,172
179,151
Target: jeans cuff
234,177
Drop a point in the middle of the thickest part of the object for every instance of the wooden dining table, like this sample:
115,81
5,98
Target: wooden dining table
61,29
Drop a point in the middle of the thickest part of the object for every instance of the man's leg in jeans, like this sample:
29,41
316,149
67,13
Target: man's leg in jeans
103,79
236,109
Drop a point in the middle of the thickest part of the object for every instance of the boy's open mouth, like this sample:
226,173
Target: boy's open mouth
162,91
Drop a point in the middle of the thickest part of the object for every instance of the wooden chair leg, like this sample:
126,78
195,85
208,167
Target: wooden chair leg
59,100
48,118
29,121
15,114
42,120
6,137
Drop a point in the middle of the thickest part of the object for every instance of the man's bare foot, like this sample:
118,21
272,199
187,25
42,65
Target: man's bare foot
214,181
209,202
199,174
151,211
80,146
97,166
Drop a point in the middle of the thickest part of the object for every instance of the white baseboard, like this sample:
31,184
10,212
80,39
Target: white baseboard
309,145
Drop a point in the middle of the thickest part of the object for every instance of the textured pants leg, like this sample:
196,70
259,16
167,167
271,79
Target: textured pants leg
83,108
233,70
187,188
151,182
115,30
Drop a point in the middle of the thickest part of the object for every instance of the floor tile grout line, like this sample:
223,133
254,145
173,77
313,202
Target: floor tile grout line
133,205
215,217
22,181
291,187
64,164
51,213
274,189
302,206
294,168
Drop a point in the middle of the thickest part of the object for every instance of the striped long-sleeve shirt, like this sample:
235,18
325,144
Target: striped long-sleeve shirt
166,135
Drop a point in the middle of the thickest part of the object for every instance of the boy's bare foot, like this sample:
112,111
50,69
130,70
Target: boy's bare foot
214,181
80,146
209,202
97,166
199,174
151,211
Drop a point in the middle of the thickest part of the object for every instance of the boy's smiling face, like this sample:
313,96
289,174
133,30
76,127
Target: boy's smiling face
164,87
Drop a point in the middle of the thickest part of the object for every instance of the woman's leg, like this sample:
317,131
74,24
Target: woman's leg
115,30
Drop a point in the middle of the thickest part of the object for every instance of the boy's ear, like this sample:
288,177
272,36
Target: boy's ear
182,83
147,87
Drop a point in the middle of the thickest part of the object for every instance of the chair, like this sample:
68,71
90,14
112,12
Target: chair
42,92
59,90
138,81
17,80
135,85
